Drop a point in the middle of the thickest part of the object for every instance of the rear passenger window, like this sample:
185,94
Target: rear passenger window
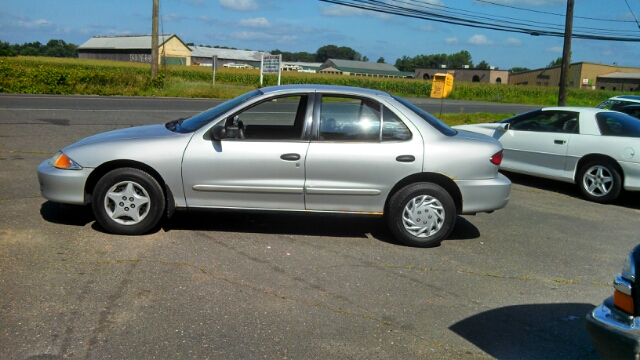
392,128
349,119
618,124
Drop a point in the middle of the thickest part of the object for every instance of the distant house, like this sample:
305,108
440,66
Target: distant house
362,68
136,48
465,74
301,66
619,81
226,57
582,75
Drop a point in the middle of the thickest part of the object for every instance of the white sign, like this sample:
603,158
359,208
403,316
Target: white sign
271,64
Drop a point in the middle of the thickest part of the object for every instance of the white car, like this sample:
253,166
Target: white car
594,148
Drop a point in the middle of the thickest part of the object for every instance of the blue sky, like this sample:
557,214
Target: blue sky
306,25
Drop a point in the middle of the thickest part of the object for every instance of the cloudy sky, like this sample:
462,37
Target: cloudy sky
306,25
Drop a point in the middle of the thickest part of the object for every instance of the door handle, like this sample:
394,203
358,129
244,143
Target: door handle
290,157
559,142
406,158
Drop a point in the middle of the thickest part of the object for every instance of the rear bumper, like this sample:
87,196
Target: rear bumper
484,195
615,334
63,186
631,175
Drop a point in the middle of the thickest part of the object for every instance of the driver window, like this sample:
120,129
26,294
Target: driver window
548,121
280,118
349,119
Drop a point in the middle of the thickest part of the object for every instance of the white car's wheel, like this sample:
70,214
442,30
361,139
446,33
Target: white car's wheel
599,181
128,201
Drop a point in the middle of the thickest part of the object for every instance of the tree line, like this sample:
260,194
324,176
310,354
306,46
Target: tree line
54,48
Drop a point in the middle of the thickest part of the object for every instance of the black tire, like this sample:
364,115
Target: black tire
439,214
599,181
140,201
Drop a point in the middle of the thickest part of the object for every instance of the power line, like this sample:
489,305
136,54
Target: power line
438,13
634,15
550,13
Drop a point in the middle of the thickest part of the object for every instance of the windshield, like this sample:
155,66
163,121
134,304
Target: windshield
432,120
615,104
197,121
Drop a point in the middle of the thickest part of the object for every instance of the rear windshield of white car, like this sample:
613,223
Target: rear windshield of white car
432,120
615,104
197,121
618,124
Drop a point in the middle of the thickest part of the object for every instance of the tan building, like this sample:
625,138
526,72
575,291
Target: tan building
136,48
489,76
583,75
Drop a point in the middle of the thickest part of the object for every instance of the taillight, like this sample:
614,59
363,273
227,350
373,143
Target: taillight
496,159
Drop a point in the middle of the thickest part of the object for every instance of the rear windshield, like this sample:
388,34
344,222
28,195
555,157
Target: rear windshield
432,120
618,124
612,104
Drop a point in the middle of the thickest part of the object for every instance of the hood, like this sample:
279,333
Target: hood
138,132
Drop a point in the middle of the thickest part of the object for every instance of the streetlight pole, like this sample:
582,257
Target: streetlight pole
566,55
154,39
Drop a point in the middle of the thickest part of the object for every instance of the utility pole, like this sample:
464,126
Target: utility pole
154,39
566,55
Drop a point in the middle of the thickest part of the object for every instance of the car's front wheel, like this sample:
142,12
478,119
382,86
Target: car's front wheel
128,201
421,214
599,181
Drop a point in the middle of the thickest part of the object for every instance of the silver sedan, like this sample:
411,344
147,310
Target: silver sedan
594,148
290,148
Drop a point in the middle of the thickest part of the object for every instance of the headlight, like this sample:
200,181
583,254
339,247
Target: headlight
62,161
623,286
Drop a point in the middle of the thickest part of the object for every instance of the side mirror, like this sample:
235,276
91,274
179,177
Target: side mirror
504,126
219,132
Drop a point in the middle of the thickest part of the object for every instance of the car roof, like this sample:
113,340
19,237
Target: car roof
324,88
627,97
582,109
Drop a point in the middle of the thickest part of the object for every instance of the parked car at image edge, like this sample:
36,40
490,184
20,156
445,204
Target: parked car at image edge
593,148
618,102
614,326
288,148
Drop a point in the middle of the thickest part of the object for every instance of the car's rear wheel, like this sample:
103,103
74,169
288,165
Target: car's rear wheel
128,201
599,181
421,214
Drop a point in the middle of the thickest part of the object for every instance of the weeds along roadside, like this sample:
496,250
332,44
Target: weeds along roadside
38,75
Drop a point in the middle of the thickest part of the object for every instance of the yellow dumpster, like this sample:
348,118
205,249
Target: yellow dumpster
441,86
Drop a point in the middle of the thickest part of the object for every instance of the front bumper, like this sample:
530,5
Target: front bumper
615,334
63,186
484,195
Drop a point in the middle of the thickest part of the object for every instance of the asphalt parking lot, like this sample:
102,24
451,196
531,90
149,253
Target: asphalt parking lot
516,283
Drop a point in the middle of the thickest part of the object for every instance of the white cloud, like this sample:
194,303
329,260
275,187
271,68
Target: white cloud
479,40
607,53
260,36
428,28
555,49
35,25
239,5
348,11
513,42
255,23
451,41
172,17
194,3
531,2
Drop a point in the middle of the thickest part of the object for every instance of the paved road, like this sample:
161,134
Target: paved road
512,284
